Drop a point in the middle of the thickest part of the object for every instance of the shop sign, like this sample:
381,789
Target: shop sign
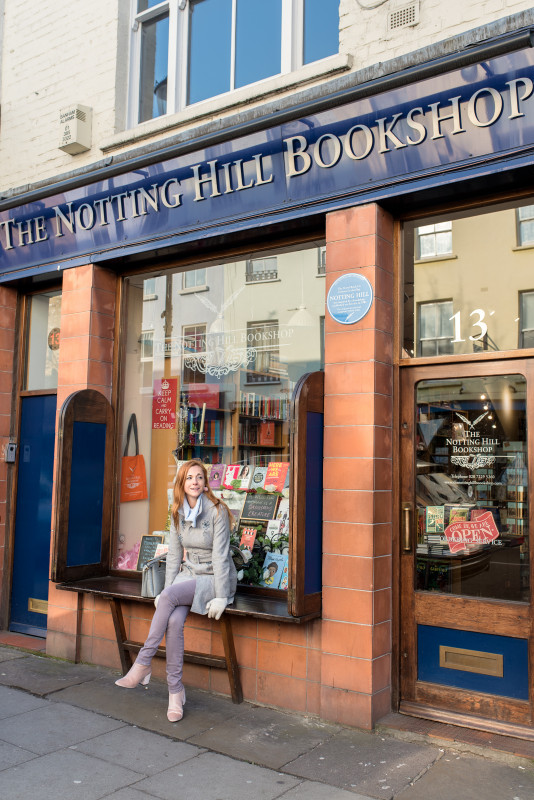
462,535
164,404
349,299
468,117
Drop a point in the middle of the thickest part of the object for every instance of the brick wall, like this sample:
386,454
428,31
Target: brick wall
85,362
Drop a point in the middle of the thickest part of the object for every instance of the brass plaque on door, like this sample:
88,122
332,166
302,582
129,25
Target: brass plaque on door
37,606
471,660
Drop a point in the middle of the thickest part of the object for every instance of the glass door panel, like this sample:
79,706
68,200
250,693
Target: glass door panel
471,487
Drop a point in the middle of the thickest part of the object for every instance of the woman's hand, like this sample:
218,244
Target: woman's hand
216,607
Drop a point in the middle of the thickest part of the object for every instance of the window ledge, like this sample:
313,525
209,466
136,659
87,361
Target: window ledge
449,257
262,281
231,100
522,247
195,289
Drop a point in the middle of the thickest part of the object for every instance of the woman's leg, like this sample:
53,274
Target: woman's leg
175,647
177,597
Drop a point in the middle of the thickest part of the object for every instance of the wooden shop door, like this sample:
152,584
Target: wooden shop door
465,519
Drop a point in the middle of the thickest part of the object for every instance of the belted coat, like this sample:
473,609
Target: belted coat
207,555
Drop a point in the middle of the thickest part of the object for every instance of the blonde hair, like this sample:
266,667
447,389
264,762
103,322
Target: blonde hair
179,490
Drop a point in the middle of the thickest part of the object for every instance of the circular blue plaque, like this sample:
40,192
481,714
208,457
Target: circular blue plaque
349,299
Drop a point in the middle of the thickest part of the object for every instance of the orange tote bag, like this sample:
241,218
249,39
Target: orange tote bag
133,475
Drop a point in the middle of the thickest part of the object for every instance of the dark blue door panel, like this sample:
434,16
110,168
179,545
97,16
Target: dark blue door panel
33,512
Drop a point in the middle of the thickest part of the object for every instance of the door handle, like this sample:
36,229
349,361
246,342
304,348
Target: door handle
406,527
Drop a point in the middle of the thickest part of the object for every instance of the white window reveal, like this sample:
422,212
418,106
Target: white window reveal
186,51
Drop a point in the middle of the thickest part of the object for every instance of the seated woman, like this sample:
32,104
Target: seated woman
204,582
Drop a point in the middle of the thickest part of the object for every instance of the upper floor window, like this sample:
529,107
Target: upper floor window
526,317
194,278
435,328
434,240
262,269
186,51
525,225
321,260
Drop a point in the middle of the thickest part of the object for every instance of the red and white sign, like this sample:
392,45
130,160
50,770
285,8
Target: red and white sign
461,534
164,404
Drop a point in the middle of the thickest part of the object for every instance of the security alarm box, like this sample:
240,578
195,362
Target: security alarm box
75,129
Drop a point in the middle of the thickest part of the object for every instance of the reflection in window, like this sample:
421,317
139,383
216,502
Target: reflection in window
526,317
262,269
154,67
194,278
525,225
194,343
435,329
321,261
472,487
434,240
263,337
321,29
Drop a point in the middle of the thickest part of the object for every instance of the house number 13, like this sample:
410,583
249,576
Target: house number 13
479,323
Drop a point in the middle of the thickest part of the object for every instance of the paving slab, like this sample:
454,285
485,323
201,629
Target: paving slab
310,790
147,708
214,777
53,727
63,776
266,737
472,778
9,655
40,675
139,750
366,763
127,794
10,755
15,701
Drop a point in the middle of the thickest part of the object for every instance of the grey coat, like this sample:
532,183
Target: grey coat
208,557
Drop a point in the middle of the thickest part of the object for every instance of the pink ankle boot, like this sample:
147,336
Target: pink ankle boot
137,674
175,711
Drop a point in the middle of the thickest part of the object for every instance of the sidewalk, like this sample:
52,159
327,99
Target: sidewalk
66,731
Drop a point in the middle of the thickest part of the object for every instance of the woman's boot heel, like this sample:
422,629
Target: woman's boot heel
138,674
175,711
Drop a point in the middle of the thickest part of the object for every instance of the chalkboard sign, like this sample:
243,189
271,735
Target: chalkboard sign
148,549
260,506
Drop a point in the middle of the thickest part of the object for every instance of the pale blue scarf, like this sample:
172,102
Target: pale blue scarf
191,514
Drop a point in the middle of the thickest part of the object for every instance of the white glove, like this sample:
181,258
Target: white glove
156,600
216,607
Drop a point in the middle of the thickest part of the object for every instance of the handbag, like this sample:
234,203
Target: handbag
153,576
133,474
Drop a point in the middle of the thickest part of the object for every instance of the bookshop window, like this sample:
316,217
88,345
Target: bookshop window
210,375
483,314
194,278
472,487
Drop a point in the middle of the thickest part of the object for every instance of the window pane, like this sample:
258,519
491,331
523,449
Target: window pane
526,212
527,232
154,64
43,341
195,277
472,259
321,29
143,5
258,40
209,49
527,309
472,466
229,356
428,321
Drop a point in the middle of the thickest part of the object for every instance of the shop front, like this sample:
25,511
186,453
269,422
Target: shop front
334,311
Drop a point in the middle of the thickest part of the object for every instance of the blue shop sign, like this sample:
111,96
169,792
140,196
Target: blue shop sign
349,299
467,121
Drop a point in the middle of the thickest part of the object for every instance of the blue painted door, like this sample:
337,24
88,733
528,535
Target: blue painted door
33,513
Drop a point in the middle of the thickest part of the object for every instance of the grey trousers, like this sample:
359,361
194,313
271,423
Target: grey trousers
169,620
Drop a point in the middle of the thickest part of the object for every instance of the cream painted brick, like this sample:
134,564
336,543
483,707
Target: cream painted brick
69,51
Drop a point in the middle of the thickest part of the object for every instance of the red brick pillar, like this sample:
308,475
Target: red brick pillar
8,306
356,629
85,362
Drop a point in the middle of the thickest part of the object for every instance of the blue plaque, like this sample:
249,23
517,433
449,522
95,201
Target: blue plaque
349,299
